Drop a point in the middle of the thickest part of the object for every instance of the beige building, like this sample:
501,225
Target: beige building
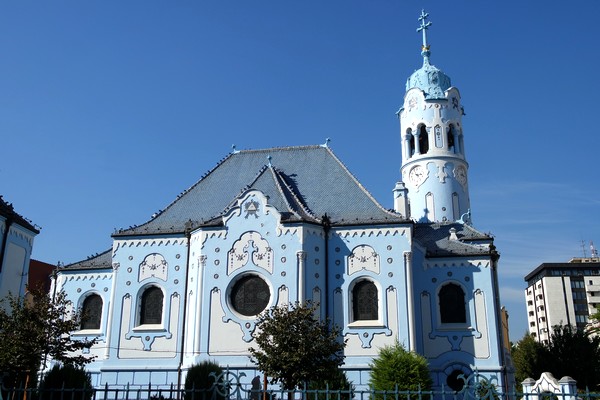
561,294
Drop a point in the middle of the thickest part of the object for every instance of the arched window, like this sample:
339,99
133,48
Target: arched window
365,305
411,139
91,312
423,140
151,307
452,304
451,138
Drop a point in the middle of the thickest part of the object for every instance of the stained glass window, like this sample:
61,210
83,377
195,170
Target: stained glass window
364,301
91,312
250,295
152,305
452,304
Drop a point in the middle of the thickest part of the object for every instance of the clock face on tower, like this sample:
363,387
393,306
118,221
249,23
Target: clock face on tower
417,175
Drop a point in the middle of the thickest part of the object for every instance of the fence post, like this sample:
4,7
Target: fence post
568,387
528,387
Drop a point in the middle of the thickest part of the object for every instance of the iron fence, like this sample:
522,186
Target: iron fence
227,386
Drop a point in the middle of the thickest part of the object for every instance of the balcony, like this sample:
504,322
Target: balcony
592,288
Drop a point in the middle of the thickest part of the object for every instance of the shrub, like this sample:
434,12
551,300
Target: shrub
67,381
395,367
337,382
200,385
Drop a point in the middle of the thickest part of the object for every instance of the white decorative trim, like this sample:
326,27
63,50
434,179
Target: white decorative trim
363,257
88,277
178,241
441,174
453,263
373,232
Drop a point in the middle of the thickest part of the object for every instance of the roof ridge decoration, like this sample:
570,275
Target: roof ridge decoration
281,148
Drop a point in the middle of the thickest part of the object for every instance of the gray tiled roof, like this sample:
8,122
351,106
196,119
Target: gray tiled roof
102,260
307,182
437,239
8,212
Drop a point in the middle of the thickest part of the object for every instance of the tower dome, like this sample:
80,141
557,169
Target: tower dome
430,79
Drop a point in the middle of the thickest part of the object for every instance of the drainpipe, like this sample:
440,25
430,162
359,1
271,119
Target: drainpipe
326,228
408,265
494,259
188,235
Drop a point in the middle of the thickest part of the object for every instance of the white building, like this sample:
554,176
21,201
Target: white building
562,294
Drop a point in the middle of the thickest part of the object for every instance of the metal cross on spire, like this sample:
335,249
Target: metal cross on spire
423,28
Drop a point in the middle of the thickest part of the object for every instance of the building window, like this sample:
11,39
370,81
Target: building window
91,312
452,304
455,381
152,306
423,140
250,295
450,138
365,302
530,302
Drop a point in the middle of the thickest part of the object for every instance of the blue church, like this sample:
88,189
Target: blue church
274,226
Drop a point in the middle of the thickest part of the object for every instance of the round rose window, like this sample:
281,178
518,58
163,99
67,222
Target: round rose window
250,295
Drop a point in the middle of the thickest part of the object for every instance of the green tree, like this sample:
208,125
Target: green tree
395,367
294,347
569,352
35,329
530,358
337,386
576,354
75,380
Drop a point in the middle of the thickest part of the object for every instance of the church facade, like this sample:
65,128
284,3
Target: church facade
275,226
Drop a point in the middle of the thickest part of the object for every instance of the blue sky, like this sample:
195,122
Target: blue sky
109,109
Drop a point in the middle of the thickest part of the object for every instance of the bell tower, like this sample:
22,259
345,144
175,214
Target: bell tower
434,167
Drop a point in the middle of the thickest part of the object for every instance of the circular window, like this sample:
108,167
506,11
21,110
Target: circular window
250,295
454,381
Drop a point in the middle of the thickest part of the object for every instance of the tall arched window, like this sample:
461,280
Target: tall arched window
452,304
365,304
151,307
450,138
411,142
91,312
423,140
